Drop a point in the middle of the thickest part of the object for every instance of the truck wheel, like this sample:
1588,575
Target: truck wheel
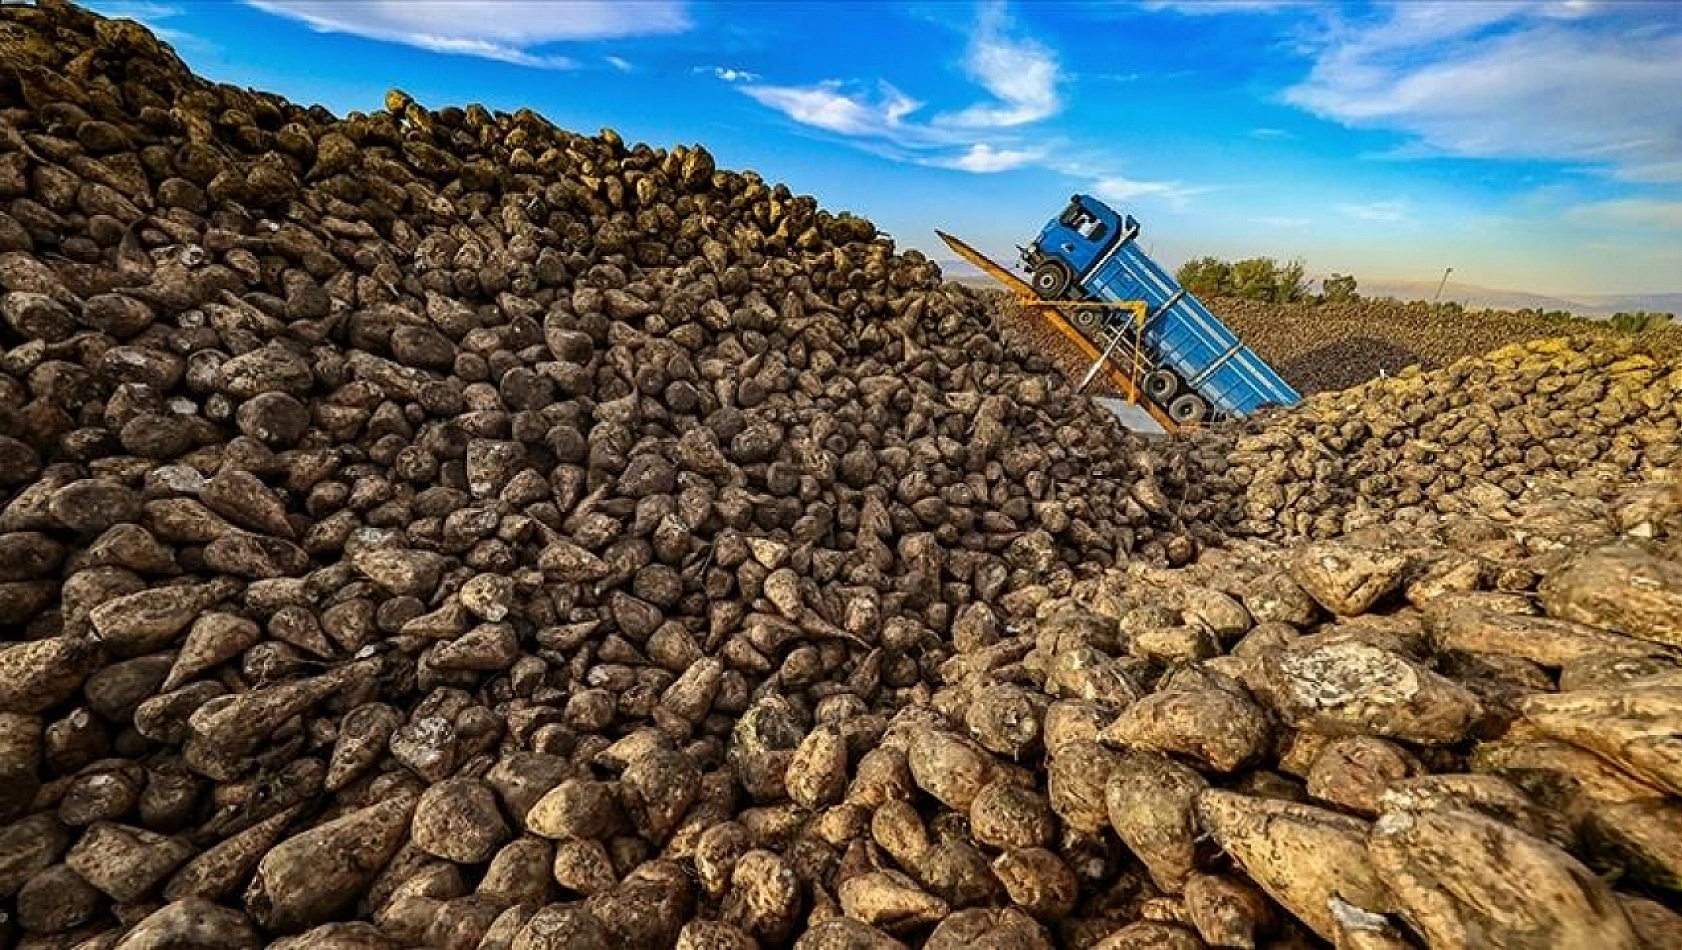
1051,280
1188,409
1114,320
1161,385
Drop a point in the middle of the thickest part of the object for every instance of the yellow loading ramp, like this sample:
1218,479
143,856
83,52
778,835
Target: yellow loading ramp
1051,312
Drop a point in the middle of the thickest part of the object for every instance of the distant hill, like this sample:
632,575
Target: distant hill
963,272
1471,296
1663,303
1476,297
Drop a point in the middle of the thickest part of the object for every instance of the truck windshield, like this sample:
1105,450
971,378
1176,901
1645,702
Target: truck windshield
1083,222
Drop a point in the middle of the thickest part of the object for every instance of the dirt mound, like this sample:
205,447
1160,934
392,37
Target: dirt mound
1312,344
1342,364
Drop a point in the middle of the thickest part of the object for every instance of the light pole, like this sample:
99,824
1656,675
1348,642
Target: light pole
1440,285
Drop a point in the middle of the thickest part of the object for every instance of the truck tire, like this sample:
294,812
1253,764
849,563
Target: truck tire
1161,385
1188,409
1051,280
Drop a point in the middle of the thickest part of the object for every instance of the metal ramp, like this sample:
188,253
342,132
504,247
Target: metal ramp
1132,416
1135,410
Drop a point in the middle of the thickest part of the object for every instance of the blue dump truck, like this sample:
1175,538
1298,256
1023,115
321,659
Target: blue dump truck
1196,369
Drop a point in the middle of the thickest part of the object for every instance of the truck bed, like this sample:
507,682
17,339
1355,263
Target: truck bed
1188,338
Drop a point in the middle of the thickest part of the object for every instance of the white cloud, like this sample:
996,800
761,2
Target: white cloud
897,105
1116,188
1208,7
1539,81
983,158
1266,133
1119,188
827,107
620,63
140,11
504,30
1650,212
729,75
882,123
1022,74
1391,210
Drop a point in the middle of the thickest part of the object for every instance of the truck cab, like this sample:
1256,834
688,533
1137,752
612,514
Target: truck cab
1070,244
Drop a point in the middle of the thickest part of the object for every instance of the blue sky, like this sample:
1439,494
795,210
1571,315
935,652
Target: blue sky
1528,145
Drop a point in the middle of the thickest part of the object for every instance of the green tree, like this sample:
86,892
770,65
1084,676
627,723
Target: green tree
1640,321
1206,277
1263,278
1339,288
1289,283
1255,278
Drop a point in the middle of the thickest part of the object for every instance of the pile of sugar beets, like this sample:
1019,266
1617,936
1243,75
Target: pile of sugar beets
437,529
1482,430
366,480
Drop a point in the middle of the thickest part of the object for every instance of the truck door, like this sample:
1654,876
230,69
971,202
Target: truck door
1074,239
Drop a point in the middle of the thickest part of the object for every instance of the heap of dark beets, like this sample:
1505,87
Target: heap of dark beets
424,526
